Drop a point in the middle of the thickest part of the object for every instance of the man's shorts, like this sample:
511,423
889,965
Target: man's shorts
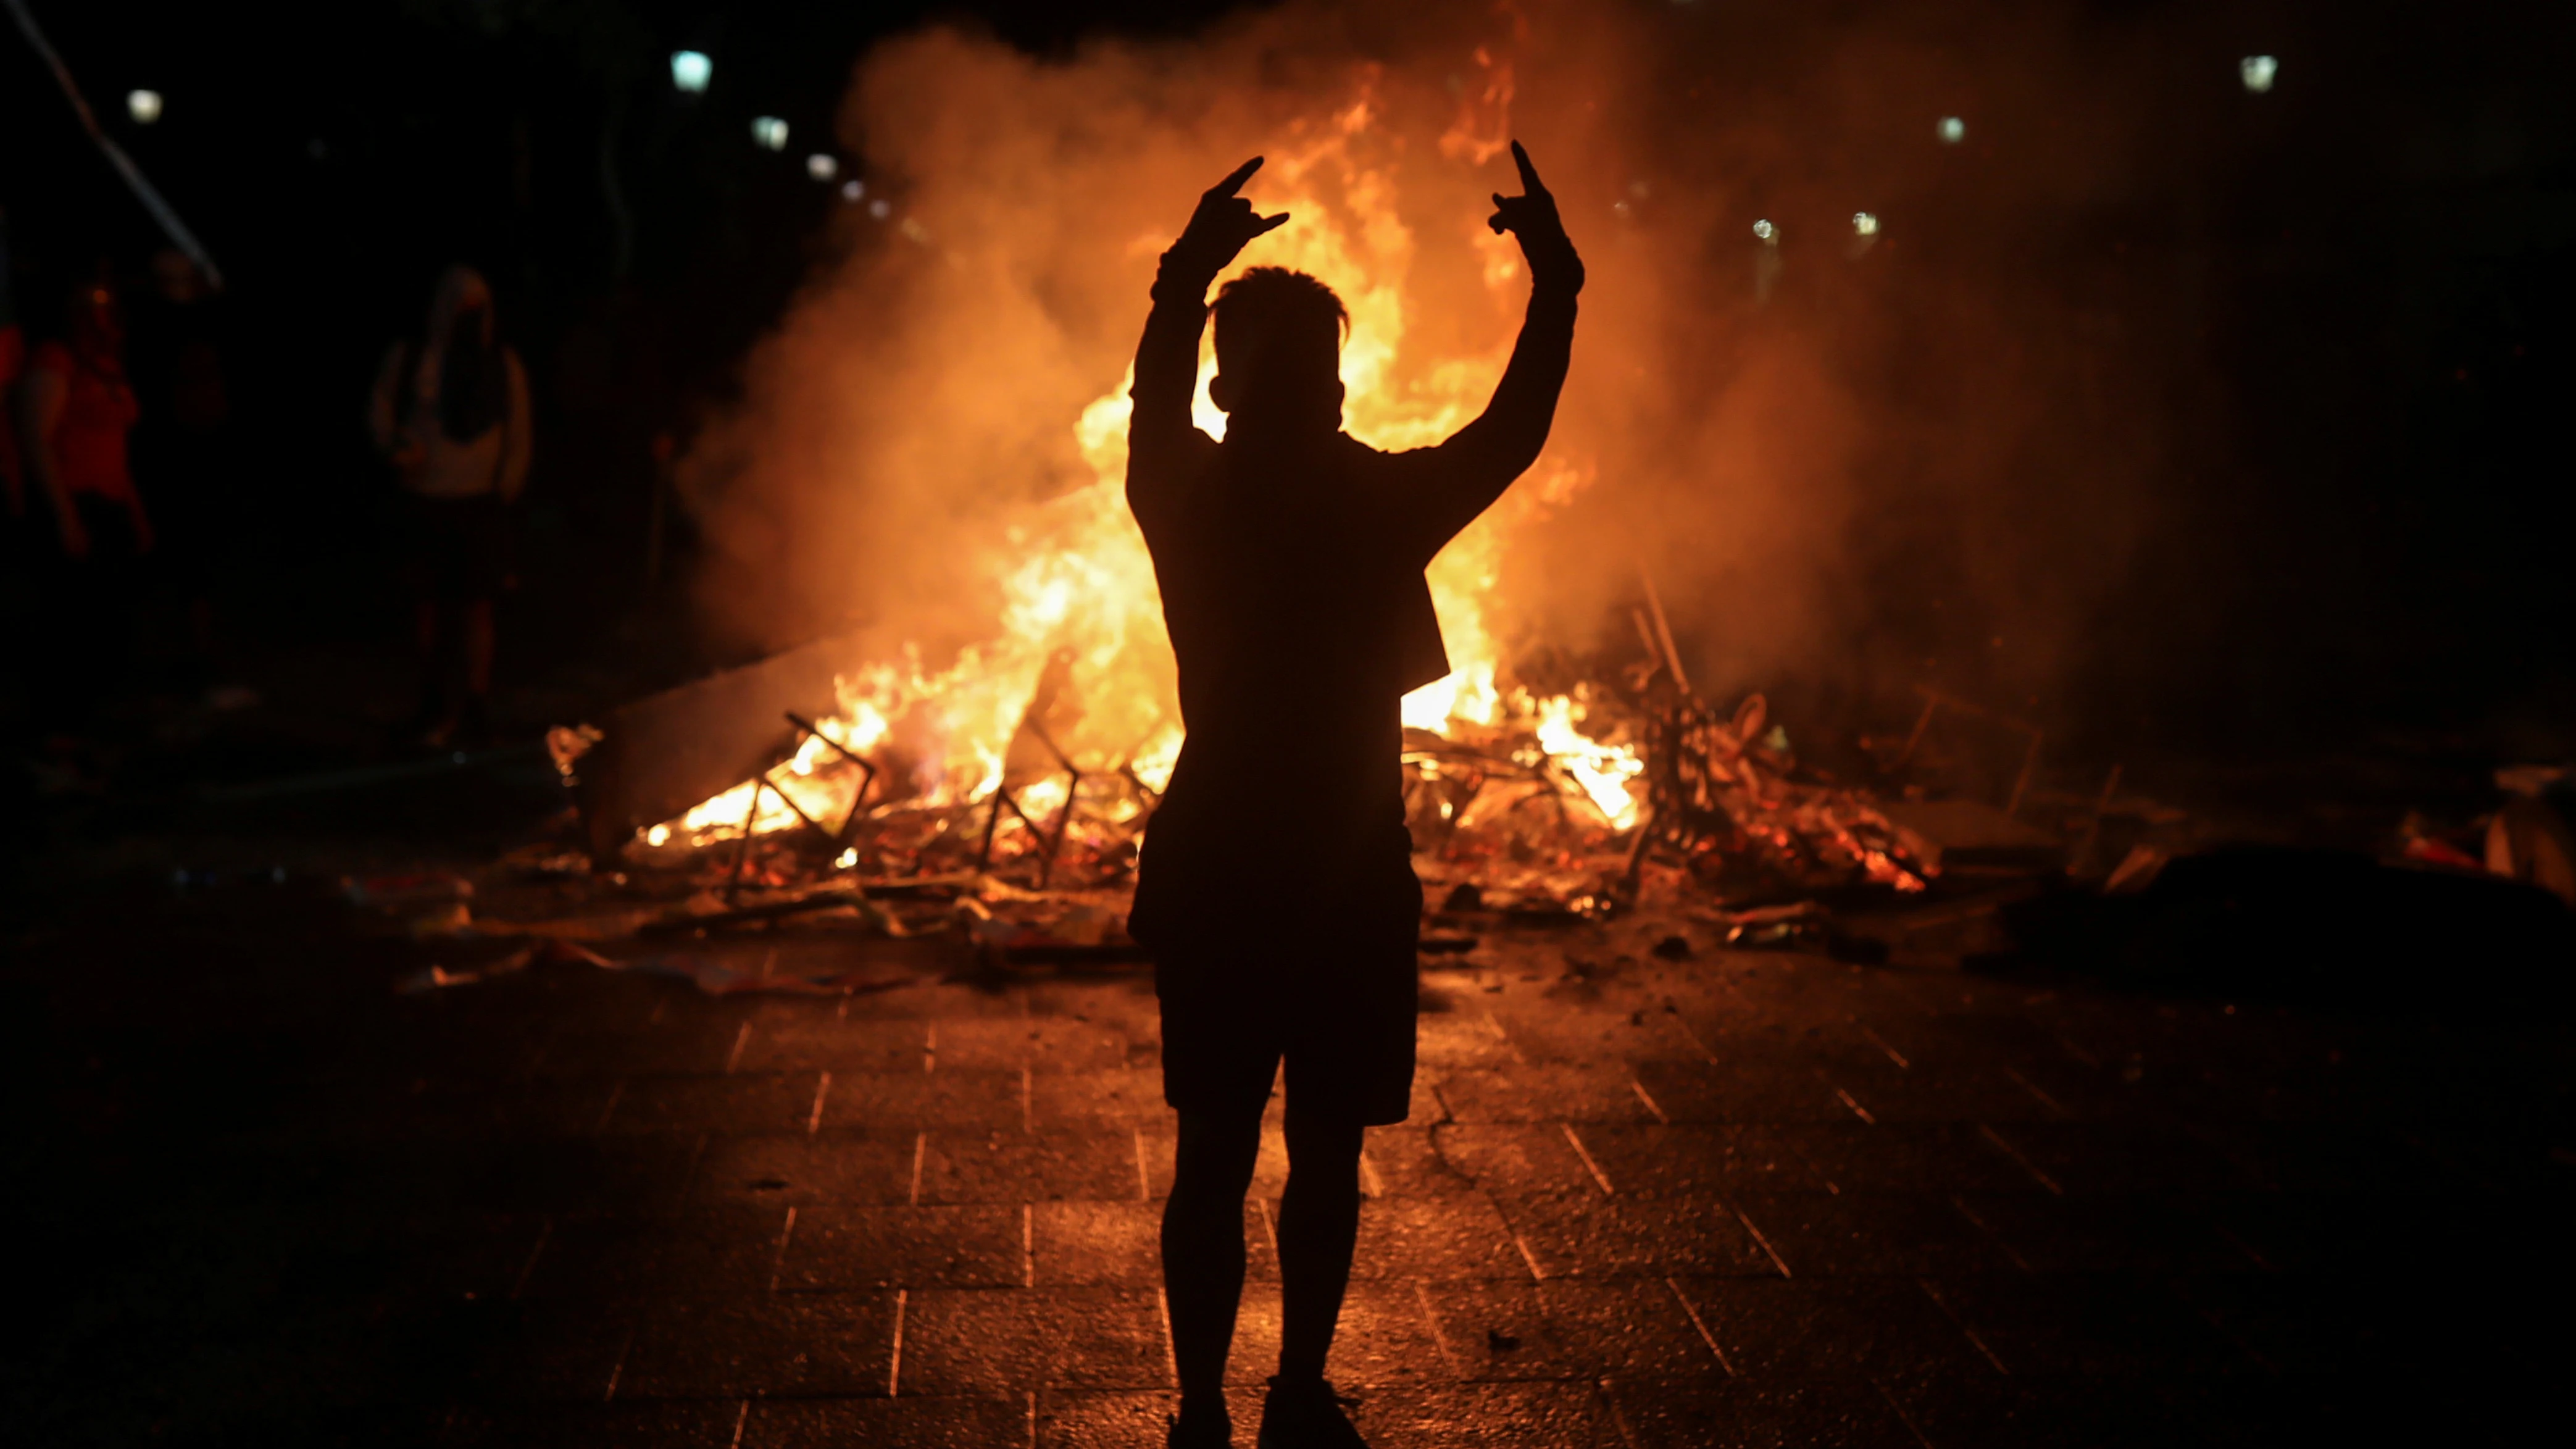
1338,1015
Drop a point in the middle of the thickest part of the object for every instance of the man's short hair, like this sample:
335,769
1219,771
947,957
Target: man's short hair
1269,306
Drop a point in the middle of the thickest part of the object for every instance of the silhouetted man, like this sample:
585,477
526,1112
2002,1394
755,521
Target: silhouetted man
1277,889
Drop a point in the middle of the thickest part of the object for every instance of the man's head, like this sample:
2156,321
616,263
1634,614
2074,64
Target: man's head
1278,351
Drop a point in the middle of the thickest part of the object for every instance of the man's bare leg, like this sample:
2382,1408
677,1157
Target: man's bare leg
1203,1258
1319,1222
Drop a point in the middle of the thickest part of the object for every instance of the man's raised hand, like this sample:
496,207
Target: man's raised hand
1223,223
1532,217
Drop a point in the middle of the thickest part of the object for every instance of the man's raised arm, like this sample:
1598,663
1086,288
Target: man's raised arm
1467,473
1167,358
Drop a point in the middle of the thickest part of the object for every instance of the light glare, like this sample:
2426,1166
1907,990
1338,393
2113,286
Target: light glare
822,167
769,132
1953,130
1864,223
853,189
2257,71
690,71
1764,230
143,106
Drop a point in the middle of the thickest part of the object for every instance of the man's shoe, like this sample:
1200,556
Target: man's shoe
1307,1415
1197,1428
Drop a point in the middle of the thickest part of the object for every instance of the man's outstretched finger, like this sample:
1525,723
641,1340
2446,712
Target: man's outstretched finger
1234,183
1270,223
1529,174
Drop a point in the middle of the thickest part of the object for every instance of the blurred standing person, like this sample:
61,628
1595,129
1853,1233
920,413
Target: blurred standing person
183,441
450,412
75,410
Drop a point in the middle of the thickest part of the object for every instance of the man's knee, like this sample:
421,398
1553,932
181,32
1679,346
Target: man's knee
1216,1153
1324,1152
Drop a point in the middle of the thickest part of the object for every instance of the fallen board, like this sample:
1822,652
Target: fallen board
661,754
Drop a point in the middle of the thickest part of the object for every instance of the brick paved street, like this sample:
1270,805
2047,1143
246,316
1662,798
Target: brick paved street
1735,1199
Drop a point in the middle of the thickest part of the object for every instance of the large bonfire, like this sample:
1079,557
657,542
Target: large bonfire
1073,692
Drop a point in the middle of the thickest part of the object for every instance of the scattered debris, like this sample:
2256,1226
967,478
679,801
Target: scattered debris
2529,839
2136,871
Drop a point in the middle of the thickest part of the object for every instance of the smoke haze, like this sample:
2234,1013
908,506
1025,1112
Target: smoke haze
1849,462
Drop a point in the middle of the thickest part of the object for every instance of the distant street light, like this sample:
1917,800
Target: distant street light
822,167
2257,72
769,132
143,106
1953,130
690,71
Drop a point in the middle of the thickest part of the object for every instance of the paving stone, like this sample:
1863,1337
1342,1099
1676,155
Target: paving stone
838,1046
1597,1237
1695,1160
1099,1243
1741,1095
1845,1330
1946,1092
1939,1157
582,1176
642,1425
1503,1331
1434,1238
947,1099
1543,1092
2093,1325
1118,1419
843,1248
541,1352
1459,1040
676,1046
904,1423
779,1345
2106,1234
2332,1157
1017,1340
1876,1232
2288,1323
1585,1037
494,1111
2085,1157
1631,1326
834,1165
735,1103
1099,1100
1534,1415
1406,1161
1040,1043
480,1257
707,1253
1702,1413
1013,1167
936,1000
1519,1160
2028,1413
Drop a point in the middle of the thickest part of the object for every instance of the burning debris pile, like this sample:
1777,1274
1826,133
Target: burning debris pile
1569,805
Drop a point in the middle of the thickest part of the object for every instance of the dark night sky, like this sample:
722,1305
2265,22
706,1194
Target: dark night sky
2388,346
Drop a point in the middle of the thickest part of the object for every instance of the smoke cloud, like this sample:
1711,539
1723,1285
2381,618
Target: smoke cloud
1849,461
